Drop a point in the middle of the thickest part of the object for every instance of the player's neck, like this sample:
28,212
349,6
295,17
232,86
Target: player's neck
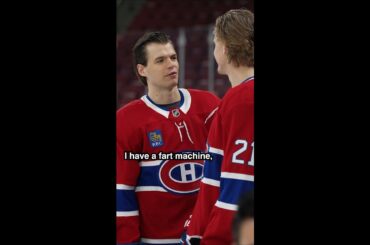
239,74
163,96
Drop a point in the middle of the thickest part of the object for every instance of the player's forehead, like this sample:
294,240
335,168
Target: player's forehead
155,50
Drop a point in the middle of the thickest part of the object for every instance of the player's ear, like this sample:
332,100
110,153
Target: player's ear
141,70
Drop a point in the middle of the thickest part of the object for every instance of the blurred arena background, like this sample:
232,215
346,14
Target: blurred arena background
189,24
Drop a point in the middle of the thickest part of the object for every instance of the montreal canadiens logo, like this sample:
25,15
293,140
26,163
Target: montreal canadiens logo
182,177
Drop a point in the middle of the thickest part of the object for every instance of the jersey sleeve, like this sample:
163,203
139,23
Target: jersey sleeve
213,103
237,172
127,215
209,186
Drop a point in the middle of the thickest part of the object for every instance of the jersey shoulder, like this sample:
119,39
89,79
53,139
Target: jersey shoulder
203,101
202,95
133,113
243,93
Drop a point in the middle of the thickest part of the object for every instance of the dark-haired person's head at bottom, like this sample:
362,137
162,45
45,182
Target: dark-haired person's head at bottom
243,224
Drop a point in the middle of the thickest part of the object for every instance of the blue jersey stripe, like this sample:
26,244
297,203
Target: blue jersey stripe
232,189
126,200
149,176
212,168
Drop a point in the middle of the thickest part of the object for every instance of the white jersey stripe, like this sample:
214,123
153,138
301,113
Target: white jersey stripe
124,187
211,182
150,163
150,188
227,206
245,177
194,236
127,213
210,115
215,150
159,241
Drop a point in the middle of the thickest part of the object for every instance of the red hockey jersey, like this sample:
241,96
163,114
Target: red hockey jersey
155,197
230,173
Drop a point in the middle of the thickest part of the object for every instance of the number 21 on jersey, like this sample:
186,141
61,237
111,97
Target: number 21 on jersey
243,147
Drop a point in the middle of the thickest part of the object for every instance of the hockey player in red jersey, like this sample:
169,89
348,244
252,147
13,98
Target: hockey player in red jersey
154,196
230,173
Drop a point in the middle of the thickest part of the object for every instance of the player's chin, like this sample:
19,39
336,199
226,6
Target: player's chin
220,71
173,79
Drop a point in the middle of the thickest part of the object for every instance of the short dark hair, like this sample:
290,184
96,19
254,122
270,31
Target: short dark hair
139,51
245,211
